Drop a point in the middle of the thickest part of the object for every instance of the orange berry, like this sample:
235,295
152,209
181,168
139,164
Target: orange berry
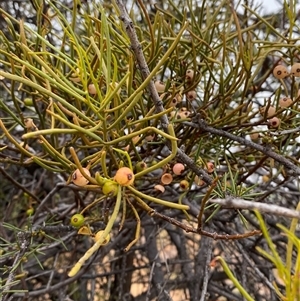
124,176
274,122
191,95
280,72
254,136
295,70
160,86
78,178
271,111
92,89
178,169
285,102
265,178
210,167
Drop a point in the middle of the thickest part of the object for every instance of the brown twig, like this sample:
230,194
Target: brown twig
17,184
201,124
191,229
23,243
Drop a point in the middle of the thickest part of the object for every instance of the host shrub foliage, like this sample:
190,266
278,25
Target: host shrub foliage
85,95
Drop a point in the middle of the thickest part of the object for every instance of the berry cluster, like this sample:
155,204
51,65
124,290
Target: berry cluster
280,72
174,99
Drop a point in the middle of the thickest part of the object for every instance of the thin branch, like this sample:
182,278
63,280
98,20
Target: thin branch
57,187
238,203
17,184
206,273
138,51
190,229
285,132
24,243
201,124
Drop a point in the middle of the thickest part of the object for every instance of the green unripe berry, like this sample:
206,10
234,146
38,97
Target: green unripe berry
250,158
77,220
28,102
30,211
140,166
110,188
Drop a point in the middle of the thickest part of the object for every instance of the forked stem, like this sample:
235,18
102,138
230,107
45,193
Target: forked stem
101,239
